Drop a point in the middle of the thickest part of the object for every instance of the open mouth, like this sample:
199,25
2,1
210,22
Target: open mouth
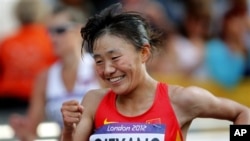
116,79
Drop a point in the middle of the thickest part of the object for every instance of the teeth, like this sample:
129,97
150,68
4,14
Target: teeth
115,79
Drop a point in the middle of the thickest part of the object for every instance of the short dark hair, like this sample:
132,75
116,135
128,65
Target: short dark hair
131,26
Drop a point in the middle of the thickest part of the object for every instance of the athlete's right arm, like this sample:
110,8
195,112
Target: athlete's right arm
85,126
71,114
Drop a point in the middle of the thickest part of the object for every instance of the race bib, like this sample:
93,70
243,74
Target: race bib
130,132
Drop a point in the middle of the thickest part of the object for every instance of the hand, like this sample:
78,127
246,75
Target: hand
72,113
20,125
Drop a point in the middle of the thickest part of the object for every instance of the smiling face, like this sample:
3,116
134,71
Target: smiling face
118,63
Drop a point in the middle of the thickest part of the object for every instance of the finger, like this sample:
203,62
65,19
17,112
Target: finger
15,120
71,102
72,108
68,121
80,108
72,114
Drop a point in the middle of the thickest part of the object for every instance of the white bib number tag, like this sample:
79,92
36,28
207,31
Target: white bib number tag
130,132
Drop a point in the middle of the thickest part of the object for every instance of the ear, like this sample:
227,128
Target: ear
145,53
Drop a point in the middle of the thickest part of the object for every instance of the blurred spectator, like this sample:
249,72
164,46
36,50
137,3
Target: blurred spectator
247,37
68,78
219,8
175,10
226,55
190,47
86,6
152,9
247,70
184,53
24,55
243,6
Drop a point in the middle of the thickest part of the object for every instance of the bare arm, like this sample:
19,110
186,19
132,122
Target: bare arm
72,113
77,124
85,126
196,102
76,127
36,111
25,127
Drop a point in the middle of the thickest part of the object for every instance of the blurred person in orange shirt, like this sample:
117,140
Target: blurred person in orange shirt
24,54
70,77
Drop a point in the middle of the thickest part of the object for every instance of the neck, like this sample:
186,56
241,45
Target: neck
70,62
146,88
139,100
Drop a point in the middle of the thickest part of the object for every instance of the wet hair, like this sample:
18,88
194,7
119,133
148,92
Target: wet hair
131,26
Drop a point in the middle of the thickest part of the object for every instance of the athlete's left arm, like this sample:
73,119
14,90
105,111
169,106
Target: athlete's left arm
198,102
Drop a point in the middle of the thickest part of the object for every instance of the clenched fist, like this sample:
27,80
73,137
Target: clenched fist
72,113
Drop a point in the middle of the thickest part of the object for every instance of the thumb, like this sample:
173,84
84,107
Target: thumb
80,108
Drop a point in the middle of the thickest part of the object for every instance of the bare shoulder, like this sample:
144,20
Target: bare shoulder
192,99
92,99
177,92
95,95
191,102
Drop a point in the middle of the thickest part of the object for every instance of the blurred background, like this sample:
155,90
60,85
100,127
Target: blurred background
207,44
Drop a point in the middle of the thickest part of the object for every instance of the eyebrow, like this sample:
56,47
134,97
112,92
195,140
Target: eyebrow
96,56
108,52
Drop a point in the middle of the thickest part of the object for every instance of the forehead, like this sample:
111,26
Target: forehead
111,44
58,19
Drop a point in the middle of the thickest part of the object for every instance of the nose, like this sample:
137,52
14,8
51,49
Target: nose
109,69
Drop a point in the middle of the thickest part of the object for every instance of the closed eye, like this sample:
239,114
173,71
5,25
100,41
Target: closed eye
114,58
98,62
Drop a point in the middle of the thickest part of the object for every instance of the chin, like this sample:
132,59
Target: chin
120,90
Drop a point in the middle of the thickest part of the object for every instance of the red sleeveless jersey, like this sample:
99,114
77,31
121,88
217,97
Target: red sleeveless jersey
161,112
